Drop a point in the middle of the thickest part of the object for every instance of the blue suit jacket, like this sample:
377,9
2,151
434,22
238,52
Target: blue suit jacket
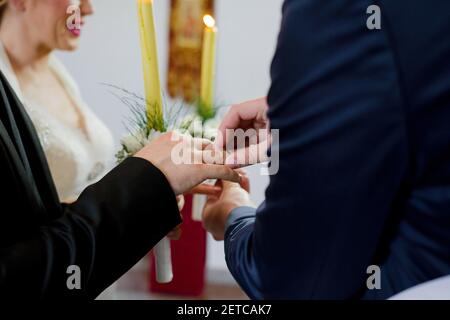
364,177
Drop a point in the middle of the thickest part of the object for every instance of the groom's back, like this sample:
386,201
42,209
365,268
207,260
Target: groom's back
418,33
365,150
364,155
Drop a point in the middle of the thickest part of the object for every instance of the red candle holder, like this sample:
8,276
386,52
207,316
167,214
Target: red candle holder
188,258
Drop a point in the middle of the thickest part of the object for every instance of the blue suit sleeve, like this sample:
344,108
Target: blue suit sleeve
343,156
238,247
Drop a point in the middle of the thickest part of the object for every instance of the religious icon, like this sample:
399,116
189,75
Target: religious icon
185,53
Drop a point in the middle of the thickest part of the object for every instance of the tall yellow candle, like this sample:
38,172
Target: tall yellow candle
150,65
208,64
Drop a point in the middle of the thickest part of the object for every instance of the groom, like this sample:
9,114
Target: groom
363,187
112,225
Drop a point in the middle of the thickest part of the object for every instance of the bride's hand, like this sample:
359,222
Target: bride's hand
183,176
180,202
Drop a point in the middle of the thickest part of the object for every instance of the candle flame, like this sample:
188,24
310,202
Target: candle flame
209,21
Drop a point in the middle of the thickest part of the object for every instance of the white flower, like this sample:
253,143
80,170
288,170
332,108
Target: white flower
210,134
134,142
179,131
152,136
191,125
187,121
196,128
210,128
213,123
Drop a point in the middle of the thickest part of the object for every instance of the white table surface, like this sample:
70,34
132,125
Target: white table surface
438,289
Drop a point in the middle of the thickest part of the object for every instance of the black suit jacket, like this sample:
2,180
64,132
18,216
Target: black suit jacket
114,223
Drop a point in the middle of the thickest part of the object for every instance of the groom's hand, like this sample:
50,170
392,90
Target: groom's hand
248,115
183,177
245,116
218,208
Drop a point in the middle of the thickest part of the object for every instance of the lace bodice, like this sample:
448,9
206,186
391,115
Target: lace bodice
76,157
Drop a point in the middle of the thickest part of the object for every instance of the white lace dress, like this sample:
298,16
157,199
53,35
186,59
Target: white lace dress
76,158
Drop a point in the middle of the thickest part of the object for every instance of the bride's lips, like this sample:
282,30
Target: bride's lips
75,32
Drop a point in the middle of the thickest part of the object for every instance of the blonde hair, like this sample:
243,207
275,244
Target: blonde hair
3,4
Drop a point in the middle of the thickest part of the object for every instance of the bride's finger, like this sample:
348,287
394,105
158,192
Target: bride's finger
201,143
209,156
180,202
206,189
245,181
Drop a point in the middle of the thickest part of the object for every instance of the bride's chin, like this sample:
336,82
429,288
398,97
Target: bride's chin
69,45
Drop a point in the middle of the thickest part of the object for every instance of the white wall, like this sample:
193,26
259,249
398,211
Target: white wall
110,53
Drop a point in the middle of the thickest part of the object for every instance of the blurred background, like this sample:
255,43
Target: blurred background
110,53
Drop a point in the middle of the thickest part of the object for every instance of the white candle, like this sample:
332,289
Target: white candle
163,263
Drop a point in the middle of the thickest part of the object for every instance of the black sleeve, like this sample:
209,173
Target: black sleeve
114,223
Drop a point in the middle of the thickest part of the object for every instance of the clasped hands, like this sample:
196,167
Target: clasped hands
232,188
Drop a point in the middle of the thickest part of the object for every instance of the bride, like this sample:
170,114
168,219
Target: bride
79,148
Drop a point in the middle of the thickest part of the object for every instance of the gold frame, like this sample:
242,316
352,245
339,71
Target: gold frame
185,48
